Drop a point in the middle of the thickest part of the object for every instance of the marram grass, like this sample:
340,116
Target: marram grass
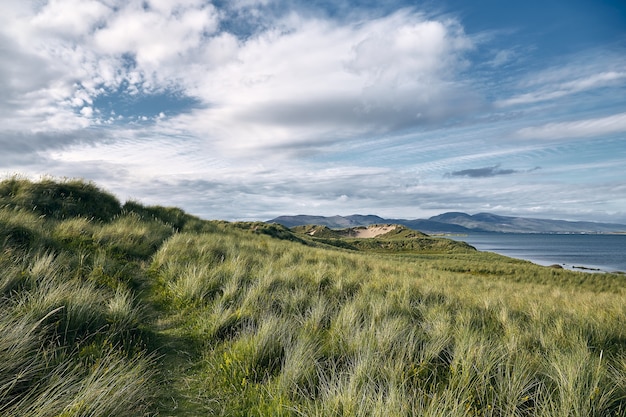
147,311
285,329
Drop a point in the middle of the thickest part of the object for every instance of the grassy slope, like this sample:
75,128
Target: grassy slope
133,310
399,240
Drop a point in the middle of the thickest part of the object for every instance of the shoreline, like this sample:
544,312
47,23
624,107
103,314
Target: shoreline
590,253
590,269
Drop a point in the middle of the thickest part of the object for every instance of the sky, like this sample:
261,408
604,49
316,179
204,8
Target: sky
251,109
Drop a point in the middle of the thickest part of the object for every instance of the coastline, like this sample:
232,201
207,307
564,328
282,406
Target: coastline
590,253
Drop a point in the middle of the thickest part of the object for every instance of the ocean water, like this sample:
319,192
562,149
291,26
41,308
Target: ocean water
572,251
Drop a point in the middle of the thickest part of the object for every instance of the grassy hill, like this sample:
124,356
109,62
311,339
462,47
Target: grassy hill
390,239
111,309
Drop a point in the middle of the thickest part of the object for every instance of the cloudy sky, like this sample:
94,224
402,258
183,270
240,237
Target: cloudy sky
250,109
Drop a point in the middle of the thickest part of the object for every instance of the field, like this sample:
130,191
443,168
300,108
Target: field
111,309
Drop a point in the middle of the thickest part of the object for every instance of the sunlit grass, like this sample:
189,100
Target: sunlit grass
148,311
59,351
71,339
298,330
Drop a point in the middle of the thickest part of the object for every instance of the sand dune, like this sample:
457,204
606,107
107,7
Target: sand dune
372,231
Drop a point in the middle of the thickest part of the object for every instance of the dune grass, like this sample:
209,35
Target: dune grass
141,311
286,329
72,339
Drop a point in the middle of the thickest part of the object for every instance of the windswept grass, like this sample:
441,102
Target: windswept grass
288,329
59,199
65,345
72,335
137,311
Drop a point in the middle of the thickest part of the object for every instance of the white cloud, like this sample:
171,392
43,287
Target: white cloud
308,81
240,4
70,17
301,82
86,111
290,86
587,128
604,79
157,34
576,74
504,57
58,56
219,50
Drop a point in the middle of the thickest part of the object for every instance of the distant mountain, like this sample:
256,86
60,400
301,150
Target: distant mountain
334,222
456,222
493,223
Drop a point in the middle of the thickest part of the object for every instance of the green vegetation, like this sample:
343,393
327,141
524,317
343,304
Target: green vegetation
127,310
398,239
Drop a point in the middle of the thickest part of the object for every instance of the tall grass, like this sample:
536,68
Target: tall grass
60,347
287,329
59,199
133,311
71,337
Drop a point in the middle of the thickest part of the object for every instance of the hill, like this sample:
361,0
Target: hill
456,222
381,238
370,231
123,309
493,223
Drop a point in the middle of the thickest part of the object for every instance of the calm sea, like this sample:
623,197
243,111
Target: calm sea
603,252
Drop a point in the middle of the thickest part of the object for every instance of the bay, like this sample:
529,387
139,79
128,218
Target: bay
583,252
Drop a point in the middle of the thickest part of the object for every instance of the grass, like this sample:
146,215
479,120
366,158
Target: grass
150,311
72,342
398,240
65,345
393,335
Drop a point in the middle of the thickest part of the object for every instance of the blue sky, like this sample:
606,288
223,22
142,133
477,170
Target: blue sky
250,109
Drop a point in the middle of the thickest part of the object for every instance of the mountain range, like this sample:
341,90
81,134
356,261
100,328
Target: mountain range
456,222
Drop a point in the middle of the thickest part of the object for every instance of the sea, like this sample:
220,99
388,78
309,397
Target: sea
582,252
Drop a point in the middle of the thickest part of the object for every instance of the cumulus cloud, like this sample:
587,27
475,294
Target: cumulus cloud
308,80
301,81
58,57
70,18
156,32
261,91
